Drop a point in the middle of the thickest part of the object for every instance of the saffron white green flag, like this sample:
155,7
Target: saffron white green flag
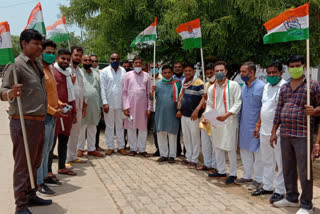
36,20
58,31
290,25
148,36
191,34
6,51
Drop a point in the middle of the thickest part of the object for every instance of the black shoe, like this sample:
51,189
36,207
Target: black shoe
27,211
217,175
36,201
162,159
231,180
171,160
276,197
156,154
52,182
261,192
55,156
44,190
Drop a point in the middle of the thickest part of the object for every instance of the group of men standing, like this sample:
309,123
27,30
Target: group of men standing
65,103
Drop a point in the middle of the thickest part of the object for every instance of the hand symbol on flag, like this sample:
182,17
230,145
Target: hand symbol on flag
293,26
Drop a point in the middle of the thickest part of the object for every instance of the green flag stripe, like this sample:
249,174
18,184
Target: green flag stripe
6,56
39,26
192,43
285,36
143,38
59,37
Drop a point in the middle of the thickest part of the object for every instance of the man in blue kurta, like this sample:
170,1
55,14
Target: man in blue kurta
250,153
166,122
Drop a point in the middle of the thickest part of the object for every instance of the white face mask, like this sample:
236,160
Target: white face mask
212,79
137,69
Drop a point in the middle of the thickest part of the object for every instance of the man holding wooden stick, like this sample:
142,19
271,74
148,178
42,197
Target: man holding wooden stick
291,114
34,106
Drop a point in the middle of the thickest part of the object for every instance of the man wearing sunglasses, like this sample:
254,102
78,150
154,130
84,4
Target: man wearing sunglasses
92,115
111,93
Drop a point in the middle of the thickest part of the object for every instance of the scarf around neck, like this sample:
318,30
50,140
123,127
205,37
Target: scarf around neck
175,87
71,94
185,85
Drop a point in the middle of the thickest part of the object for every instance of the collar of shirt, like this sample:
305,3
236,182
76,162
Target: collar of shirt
300,85
253,83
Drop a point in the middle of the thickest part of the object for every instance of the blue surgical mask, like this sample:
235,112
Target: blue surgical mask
245,79
156,71
220,76
115,64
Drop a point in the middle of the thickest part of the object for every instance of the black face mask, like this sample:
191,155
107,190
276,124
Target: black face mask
86,66
179,75
75,62
128,69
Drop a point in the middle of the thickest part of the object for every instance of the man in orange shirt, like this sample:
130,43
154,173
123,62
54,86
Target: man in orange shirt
54,112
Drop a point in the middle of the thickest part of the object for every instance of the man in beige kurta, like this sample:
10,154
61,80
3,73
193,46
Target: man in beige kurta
225,97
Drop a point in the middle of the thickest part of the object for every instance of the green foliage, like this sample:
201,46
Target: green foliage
15,45
232,30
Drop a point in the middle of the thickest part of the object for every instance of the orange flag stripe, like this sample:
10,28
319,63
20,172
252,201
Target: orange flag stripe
4,27
61,21
186,26
278,20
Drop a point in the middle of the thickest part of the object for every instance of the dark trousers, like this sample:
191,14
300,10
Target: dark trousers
294,153
62,150
99,127
21,181
50,159
179,149
152,126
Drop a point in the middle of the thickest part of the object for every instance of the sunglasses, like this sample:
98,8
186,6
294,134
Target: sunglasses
115,59
94,61
87,60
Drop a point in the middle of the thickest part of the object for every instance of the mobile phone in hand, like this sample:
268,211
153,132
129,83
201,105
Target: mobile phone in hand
66,109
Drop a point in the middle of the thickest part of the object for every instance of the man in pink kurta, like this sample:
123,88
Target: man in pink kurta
137,107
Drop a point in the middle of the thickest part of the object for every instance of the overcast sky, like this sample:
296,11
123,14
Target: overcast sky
17,12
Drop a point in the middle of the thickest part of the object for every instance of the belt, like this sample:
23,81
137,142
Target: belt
29,117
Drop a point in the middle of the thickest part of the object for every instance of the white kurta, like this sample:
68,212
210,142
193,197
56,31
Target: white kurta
225,137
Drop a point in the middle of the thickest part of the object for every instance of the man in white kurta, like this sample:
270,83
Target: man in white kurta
271,157
111,92
78,87
225,97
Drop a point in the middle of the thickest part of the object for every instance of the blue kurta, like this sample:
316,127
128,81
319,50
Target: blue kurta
250,110
166,109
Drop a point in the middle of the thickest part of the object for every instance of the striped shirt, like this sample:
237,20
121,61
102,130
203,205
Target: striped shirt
290,111
192,97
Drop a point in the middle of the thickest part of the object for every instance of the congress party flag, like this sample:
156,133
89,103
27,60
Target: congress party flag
6,51
148,36
191,34
291,25
36,21
58,31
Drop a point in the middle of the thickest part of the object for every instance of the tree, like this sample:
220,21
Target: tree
15,45
232,30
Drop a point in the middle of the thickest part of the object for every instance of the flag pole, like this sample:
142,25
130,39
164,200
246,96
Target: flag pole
24,132
308,116
69,45
202,65
154,72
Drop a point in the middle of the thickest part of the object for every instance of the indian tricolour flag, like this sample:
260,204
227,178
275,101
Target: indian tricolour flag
293,24
36,20
58,31
191,34
148,36
6,51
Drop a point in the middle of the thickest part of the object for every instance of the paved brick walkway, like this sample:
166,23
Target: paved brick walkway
122,184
